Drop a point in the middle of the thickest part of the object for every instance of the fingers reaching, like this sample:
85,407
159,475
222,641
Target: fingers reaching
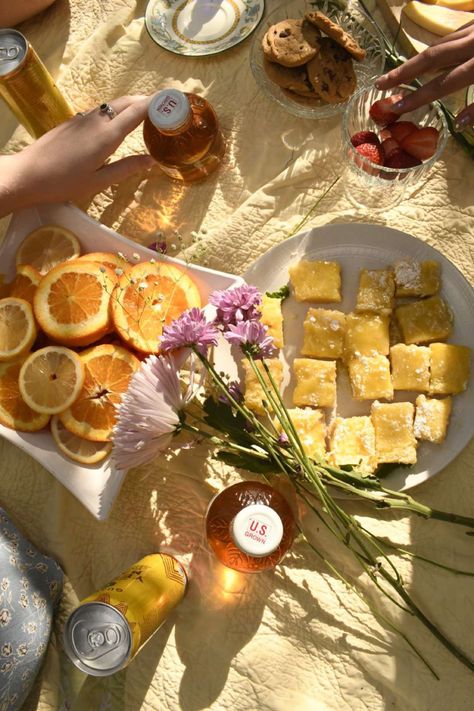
465,118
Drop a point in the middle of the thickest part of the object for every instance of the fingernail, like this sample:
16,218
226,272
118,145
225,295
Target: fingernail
400,105
462,122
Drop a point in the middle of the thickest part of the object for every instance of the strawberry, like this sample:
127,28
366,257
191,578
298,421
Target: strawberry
400,129
364,137
400,159
372,153
388,147
384,133
421,143
380,111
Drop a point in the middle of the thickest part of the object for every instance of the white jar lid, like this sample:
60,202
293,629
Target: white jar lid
169,109
257,530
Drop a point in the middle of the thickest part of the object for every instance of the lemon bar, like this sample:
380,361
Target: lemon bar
431,418
366,334
376,291
410,367
424,321
311,428
417,278
272,318
450,368
394,434
254,395
323,333
315,382
316,281
370,377
353,442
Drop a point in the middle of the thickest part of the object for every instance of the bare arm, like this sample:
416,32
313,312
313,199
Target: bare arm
68,163
14,11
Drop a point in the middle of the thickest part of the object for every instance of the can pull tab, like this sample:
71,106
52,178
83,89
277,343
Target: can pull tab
98,641
9,53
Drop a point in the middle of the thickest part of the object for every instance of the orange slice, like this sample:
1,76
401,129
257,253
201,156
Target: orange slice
148,296
48,246
17,328
108,372
76,448
51,379
25,283
72,302
14,412
107,259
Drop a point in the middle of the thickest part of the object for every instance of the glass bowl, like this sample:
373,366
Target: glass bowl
374,185
352,19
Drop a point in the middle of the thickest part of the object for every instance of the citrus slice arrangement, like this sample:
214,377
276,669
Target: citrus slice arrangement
73,328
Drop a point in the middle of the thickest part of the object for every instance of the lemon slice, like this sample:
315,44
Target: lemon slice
48,246
17,328
51,379
76,448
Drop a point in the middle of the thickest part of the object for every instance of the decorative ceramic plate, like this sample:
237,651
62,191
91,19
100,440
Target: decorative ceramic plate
356,246
96,486
198,27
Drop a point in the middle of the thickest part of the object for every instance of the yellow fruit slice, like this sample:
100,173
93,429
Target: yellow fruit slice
71,303
25,283
51,379
77,448
107,259
148,296
108,372
48,246
14,412
467,5
435,18
17,328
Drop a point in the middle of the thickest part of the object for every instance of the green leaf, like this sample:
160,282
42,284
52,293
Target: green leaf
243,461
223,418
282,293
386,469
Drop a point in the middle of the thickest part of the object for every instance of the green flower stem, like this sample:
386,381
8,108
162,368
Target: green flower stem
312,210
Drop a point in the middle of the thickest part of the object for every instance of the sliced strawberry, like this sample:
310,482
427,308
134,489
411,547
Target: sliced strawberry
364,137
371,152
381,112
400,159
422,143
401,129
388,147
384,133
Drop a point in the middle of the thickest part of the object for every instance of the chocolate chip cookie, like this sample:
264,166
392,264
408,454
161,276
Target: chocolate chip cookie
335,32
331,72
293,42
293,78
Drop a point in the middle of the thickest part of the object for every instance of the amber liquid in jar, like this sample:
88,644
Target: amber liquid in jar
250,527
182,133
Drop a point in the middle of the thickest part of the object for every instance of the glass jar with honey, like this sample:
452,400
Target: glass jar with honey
249,526
182,133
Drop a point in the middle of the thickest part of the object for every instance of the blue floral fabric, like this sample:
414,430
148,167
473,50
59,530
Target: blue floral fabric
30,587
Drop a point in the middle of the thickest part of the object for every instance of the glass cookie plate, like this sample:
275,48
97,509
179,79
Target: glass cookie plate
351,18
357,246
96,486
198,27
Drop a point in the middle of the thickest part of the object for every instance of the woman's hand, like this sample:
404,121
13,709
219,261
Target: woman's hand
455,53
68,163
11,13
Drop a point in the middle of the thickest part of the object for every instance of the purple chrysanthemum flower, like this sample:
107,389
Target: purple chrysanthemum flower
236,305
253,339
160,246
189,330
233,388
283,440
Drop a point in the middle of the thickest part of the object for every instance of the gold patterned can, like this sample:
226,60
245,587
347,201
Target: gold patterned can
108,628
27,86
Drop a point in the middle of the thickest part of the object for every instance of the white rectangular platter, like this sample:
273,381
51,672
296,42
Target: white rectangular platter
95,486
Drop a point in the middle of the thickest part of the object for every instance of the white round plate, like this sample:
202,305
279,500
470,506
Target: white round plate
198,27
357,246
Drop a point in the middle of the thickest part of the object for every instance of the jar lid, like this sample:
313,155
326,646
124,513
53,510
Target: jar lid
169,109
257,530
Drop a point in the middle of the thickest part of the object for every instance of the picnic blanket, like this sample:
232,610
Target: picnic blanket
297,638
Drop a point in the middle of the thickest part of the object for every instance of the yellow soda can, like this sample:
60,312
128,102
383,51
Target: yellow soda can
27,86
106,631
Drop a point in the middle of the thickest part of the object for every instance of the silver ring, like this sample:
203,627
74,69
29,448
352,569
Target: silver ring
108,110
